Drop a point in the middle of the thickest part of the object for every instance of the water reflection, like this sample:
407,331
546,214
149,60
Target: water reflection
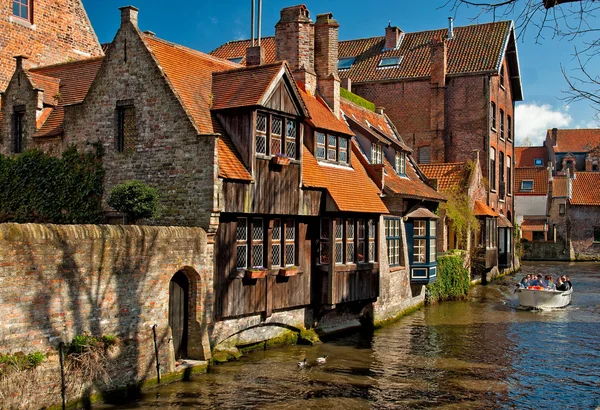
482,353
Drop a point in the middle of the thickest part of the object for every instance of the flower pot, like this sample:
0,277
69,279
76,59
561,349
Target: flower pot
290,271
255,273
280,160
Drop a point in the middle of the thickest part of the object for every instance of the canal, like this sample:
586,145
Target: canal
477,354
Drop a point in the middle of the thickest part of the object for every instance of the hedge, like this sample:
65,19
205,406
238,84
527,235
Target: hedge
36,187
453,281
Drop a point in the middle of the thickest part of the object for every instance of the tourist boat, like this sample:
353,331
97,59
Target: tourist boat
539,298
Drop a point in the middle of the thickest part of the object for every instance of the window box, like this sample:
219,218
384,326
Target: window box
281,160
255,273
289,271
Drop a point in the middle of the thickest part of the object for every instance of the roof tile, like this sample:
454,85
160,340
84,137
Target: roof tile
525,156
539,176
576,140
586,189
481,209
449,176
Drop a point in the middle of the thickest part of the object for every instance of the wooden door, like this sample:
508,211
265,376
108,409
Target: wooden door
178,313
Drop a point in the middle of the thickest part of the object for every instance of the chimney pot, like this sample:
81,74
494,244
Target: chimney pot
554,136
379,110
19,60
129,14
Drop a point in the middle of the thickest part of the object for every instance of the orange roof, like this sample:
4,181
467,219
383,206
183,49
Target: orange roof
533,225
49,85
559,186
475,48
539,176
525,156
243,87
350,187
450,176
320,115
481,209
410,185
576,140
366,118
586,189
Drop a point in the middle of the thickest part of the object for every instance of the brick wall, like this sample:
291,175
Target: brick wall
60,281
582,220
60,31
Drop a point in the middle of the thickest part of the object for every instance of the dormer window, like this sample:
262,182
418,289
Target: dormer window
345,63
526,185
538,162
376,154
332,148
390,62
276,135
400,163
22,9
236,60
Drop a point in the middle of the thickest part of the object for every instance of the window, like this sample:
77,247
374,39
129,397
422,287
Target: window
290,242
509,127
400,163
22,9
372,233
526,185
350,257
345,63
236,60
432,241
420,247
425,155
276,135
126,131
502,76
393,240
354,241
339,241
493,116
18,130
390,62
596,234
492,171
360,257
336,148
276,243
257,243
241,236
508,176
501,166
538,162
376,154
501,124
324,242
561,209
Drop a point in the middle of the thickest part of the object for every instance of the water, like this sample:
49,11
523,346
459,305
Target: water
478,354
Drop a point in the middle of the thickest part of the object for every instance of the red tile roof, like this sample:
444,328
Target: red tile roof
243,87
349,187
539,176
450,176
50,85
525,156
475,48
586,189
481,209
320,115
535,225
576,140
190,74
559,186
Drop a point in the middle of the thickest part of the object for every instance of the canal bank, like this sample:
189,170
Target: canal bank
479,353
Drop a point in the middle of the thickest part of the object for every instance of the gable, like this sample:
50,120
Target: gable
281,100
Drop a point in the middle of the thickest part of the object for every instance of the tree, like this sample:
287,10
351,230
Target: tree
135,199
551,19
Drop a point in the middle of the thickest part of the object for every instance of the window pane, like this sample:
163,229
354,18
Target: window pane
290,149
343,143
420,228
432,229
261,123
325,228
276,243
419,250
275,145
290,254
241,256
261,144
343,157
241,232
276,126
291,129
432,250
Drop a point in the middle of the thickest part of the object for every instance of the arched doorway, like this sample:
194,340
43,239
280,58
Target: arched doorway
178,313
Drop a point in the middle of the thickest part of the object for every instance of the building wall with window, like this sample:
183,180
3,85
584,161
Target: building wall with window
37,29
584,232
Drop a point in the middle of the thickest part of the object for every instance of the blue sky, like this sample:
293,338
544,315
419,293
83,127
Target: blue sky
204,25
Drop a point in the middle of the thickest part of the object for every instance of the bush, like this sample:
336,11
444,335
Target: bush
36,187
135,199
453,281
20,361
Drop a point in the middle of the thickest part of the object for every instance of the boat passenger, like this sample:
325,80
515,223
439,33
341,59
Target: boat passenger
526,281
560,285
568,280
549,283
537,281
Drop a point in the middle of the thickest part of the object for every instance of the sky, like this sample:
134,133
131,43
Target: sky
204,25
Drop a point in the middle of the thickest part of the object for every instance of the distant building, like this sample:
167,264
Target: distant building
577,149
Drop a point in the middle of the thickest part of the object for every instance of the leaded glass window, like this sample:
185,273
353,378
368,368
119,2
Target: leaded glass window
291,135
261,134
276,243
331,148
350,241
241,236
290,242
320,145
257,243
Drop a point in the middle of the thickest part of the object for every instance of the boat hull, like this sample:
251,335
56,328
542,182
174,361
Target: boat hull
544,299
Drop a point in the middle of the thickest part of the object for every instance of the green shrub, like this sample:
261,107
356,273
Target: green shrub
356,99
136,199
20,361
452,282
86,342
36,187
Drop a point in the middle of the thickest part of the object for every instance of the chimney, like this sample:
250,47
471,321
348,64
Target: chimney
379,110
347,83
19,60
326,60
129,14
450,28
294,42
554,136
255,56
438,82
392,37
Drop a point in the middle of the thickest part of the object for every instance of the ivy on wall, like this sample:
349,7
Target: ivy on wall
453,280
36,187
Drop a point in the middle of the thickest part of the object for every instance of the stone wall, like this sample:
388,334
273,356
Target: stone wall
583,220
59,30
546,251
60,281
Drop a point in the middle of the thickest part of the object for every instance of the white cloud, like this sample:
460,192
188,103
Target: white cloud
533,120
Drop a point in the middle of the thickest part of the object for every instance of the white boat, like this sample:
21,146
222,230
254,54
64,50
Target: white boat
544,299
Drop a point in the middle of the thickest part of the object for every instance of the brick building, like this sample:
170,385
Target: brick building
577,149
46,31
448,91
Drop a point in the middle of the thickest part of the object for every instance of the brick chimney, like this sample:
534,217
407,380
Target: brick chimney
554,136
255,56
129,14
346,83
392,37
294,42
438,82
326,60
